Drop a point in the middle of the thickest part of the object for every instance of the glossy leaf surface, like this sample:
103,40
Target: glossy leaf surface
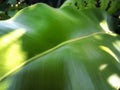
75,50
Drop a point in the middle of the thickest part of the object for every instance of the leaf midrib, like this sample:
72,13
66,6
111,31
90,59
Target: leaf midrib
47,52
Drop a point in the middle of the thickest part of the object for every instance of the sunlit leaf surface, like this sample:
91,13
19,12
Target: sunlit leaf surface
42,48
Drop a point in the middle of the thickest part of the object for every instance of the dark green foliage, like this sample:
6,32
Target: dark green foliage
8,8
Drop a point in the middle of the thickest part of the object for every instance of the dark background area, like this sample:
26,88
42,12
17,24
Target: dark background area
9,7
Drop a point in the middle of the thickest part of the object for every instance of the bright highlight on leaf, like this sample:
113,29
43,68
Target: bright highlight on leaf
11,53
109,51
104,25
103,66
114,80
116,44
11,37
14,55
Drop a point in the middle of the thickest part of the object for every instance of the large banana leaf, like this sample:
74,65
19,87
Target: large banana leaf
43,48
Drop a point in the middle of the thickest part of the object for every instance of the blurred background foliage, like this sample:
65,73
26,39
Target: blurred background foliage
9,7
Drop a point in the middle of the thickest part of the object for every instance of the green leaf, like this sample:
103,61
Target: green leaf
90,62
43,48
